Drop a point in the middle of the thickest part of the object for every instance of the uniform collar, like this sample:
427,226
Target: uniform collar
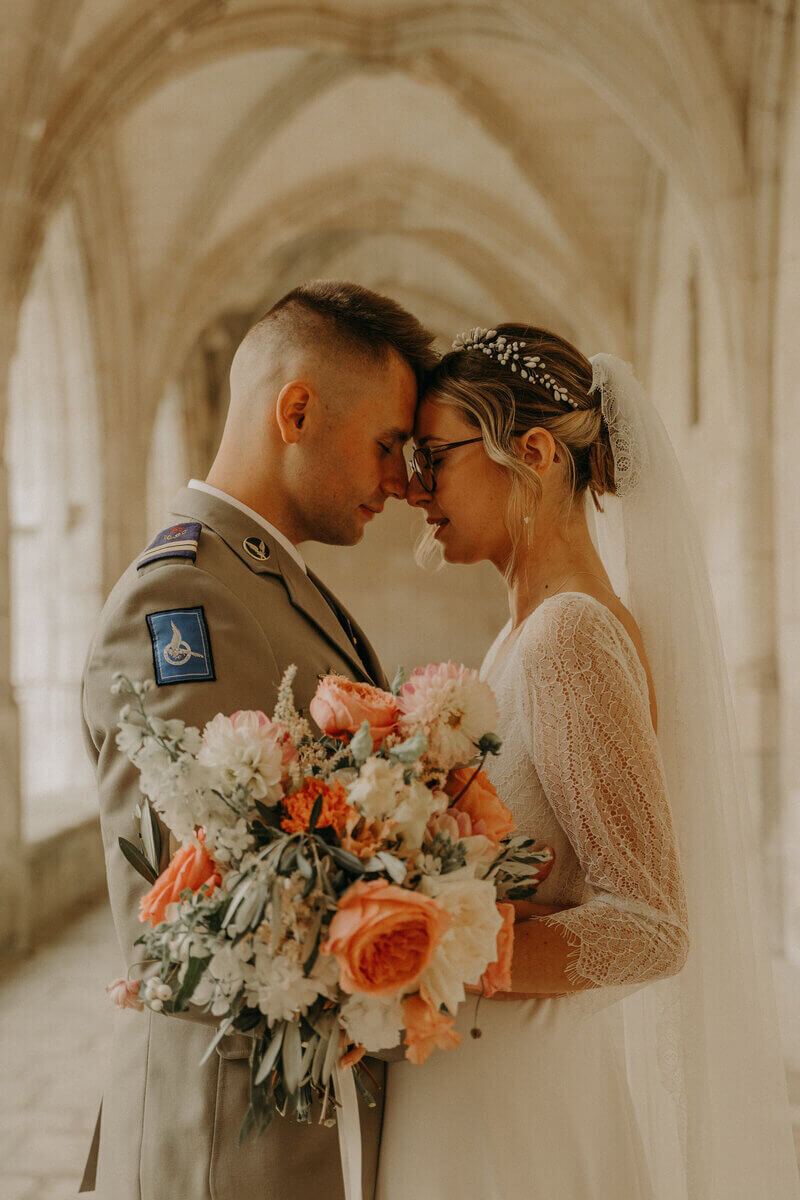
236,529
201,486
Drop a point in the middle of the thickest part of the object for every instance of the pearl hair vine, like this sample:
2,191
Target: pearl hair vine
506,351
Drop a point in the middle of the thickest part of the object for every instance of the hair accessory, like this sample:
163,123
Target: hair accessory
507,352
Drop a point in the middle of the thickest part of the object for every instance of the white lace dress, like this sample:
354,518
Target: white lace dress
539,1106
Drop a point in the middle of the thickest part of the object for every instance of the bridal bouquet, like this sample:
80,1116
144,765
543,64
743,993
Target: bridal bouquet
331,895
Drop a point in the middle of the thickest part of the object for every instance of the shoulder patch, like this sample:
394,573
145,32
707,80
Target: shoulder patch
176,541
181,646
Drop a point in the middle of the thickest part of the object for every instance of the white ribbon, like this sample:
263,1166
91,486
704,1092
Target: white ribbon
349,1132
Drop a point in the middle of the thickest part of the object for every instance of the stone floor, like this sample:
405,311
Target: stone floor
55,1023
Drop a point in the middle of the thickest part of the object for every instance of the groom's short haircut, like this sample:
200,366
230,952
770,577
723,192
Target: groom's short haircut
351,318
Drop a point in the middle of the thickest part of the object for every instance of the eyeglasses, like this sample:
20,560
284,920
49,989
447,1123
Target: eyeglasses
423,462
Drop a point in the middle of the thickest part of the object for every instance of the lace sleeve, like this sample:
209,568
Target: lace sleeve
586,713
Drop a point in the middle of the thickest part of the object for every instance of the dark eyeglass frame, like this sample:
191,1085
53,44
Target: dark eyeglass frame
423,460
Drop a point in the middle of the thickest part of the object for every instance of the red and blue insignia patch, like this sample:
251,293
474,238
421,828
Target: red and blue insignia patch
177,541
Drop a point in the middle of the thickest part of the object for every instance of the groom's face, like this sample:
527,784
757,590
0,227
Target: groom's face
356,459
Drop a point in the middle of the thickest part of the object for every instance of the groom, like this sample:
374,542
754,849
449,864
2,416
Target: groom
323,394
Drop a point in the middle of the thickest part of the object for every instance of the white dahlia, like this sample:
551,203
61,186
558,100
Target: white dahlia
452,706
246,748
467,947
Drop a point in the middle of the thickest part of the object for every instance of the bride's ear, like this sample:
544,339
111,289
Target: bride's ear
538,449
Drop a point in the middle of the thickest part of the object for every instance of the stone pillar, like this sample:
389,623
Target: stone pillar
13,929
786,447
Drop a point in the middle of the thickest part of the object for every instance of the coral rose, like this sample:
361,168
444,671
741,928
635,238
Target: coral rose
497,976
426,1029
481,803
191,868
383,937
335,810
340,707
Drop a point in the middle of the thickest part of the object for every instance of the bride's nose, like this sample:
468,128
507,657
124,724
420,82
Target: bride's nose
416,495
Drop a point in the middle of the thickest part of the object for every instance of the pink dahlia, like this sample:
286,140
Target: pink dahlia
452,706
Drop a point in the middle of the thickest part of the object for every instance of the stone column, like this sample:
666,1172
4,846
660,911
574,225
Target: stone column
786,447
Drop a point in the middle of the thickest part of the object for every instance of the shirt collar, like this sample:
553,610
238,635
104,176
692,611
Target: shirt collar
288,546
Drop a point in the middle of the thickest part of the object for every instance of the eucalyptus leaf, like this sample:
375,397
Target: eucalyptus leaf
218,1036
372,864
331,1055
308,1056
194,973
251,911
410,750
319,1056
398,681
308,951
396,868
248,1125
292,1057
316,809
287,859
138,860
151,834
363,1089
248,1020
275,920
270,1055
345,859
361,745
303,865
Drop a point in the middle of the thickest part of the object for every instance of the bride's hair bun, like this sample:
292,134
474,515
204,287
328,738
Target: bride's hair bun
601,459
483,378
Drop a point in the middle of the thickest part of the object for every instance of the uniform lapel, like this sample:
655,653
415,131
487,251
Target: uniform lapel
236,528
367,655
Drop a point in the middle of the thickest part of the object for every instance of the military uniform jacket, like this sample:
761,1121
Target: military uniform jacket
213,611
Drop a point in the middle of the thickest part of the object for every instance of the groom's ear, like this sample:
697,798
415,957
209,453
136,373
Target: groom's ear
294,402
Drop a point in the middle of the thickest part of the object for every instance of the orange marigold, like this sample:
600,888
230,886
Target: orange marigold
335,809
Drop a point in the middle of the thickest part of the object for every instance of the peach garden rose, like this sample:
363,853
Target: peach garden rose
340,707
497,976
481,803
383,937
191,867
426,1029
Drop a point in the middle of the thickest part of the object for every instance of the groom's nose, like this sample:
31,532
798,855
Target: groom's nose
395,477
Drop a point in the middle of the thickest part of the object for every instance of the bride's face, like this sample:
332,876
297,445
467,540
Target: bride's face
468,504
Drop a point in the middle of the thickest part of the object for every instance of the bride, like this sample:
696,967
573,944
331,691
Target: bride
637,1053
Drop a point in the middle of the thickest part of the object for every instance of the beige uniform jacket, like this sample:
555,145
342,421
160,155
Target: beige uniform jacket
169,1128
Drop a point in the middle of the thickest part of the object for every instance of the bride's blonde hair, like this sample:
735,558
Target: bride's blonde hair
503,406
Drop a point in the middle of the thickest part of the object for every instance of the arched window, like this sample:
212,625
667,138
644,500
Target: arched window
55,498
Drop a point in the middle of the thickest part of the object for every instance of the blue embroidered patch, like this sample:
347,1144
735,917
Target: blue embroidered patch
177,541
181,646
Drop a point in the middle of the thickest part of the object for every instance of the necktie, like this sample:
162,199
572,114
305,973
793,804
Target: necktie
347,626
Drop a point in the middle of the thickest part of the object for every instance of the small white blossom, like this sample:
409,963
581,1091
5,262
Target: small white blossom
374,1022
228,843
375,791
279,988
